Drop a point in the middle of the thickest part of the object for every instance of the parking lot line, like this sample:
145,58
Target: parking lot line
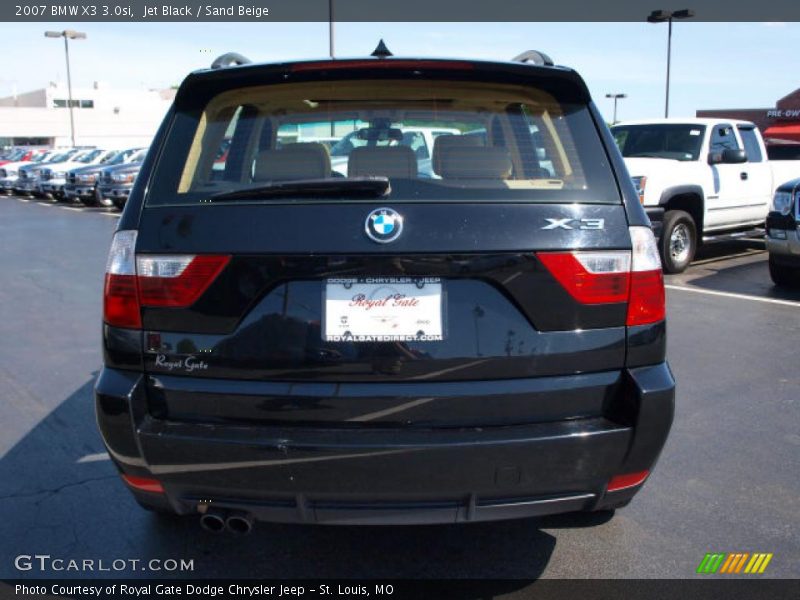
23,199
115,215
72,208
732,295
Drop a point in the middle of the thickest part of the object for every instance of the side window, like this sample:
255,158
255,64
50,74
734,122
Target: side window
751,146
723,137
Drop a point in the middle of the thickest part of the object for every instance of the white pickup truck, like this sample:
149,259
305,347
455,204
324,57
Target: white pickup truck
700,180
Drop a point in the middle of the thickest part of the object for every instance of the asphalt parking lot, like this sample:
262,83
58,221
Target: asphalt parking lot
726,482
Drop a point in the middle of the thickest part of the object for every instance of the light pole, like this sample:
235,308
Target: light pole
616,97
330,28
666,16
68,34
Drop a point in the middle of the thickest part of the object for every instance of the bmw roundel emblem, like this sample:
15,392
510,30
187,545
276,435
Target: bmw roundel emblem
384,225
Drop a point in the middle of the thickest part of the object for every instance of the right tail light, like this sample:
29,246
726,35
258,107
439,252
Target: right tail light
615,276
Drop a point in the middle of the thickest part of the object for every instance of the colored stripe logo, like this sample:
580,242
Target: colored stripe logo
734,563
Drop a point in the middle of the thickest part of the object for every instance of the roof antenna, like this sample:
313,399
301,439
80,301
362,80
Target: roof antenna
381,51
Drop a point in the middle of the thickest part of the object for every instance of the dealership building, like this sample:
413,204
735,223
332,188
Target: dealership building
779,125
111,118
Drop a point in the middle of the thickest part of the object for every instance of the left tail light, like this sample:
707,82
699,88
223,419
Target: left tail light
120,297
167,281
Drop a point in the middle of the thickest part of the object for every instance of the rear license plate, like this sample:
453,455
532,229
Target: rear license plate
383,310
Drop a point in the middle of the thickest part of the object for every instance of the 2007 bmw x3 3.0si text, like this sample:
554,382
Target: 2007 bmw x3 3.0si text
383,291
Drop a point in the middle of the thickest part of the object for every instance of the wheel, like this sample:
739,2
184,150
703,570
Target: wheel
119,203
783,275
678,241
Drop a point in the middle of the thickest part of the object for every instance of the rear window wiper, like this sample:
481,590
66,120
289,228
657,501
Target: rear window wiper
354,187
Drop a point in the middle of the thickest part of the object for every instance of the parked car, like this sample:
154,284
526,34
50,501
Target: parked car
115,183
28,180
54,178
283,343
783,235
19,155
81,183
700,180
9,172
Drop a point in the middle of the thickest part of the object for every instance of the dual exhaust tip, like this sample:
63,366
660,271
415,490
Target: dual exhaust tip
235,522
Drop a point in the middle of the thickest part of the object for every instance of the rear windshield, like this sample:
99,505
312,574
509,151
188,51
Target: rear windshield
433,141
678,142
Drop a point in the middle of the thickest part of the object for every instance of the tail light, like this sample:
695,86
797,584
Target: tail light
168,281
121,298
615,276
647,303
591,277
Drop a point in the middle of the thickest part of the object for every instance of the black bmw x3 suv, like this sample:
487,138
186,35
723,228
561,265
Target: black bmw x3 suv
481,337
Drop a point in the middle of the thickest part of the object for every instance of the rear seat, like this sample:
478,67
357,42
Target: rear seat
445,143
475,163
382,161
306,160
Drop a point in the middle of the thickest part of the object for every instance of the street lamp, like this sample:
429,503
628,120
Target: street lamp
68,34
666,16
616,97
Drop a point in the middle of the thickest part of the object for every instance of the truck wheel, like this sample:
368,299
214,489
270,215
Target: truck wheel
678,241
782,275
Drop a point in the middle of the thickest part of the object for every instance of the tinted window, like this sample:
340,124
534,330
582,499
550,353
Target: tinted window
674,141
722,138
528,146
751,146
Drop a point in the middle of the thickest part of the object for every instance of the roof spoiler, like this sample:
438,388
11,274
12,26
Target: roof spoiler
230,59
534,57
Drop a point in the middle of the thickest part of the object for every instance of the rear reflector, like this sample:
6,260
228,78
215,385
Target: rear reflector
629,480
327,65
170,280
144,484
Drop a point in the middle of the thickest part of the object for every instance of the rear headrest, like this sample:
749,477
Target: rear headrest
382,161
475,163
308,160
443,143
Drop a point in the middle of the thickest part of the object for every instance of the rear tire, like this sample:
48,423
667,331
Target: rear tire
120,204
782,275
678,241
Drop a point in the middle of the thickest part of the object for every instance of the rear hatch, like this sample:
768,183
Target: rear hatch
433,286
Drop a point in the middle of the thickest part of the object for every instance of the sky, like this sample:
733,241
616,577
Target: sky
714,65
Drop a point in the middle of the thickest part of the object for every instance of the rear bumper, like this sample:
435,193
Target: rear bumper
388,475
